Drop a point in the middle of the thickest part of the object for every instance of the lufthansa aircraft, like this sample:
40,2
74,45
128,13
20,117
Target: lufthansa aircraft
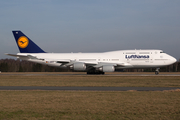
92,63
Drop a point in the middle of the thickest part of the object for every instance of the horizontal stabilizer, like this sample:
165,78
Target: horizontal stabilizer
22,56
15,55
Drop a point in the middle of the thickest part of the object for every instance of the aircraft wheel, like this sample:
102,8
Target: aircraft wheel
95,72
156,72
103,73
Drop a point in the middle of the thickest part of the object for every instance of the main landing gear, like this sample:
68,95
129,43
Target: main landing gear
95,72
157,71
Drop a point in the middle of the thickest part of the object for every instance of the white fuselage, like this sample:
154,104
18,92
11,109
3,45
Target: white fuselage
122,58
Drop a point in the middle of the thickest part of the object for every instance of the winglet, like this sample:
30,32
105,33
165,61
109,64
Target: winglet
25,44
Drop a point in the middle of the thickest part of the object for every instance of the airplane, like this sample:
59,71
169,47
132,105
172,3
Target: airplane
92,63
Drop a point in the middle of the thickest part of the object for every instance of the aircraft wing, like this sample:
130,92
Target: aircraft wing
100,64
71,62
92,64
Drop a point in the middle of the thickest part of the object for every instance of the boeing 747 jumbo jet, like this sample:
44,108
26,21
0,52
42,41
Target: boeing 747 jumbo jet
92,63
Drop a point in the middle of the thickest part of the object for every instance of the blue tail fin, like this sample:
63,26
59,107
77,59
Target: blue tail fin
25,44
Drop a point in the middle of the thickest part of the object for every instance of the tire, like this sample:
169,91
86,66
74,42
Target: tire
156,72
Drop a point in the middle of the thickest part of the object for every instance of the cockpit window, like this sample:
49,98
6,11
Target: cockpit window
161,52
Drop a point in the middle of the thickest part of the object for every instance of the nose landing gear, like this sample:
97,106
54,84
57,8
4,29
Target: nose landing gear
157,71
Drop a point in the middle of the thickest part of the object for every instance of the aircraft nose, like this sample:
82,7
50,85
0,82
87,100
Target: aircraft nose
173,59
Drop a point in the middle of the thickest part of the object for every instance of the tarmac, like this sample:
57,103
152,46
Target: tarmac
87,88
82,74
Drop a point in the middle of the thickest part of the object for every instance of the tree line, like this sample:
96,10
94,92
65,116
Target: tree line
12,65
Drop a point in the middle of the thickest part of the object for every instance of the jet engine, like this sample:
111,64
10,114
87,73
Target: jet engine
78,66
107,68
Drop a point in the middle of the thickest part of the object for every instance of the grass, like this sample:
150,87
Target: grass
89,105
81,105
80,80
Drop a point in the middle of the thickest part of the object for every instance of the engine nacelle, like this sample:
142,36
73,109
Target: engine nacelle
107,68
79,66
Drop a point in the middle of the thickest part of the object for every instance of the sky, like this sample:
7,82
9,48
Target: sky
63,26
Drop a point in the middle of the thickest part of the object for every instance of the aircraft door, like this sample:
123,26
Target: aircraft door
151,59
128,60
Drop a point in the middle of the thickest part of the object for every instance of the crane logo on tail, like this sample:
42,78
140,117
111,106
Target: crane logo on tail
23,42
